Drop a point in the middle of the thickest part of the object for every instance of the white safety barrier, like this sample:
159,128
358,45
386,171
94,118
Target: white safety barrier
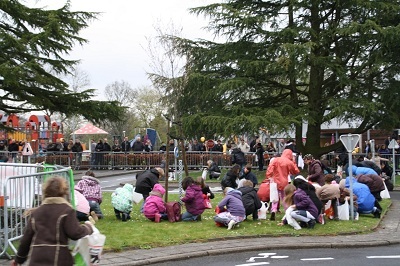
20,190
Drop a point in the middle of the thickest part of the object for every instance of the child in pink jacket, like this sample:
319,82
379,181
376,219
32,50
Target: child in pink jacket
154,206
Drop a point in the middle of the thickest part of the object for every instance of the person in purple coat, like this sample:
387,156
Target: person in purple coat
231,209
193,200
305,210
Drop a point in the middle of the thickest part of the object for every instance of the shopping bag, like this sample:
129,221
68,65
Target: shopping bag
80,252
136,197
204,174
343,211
274,197
88,250
385,193
262,212
329,210
264,191
207,202
96,244
300,162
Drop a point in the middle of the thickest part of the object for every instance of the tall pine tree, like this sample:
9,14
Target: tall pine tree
282,63
34,43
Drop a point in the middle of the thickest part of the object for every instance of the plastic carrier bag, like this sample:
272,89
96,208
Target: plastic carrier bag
87,250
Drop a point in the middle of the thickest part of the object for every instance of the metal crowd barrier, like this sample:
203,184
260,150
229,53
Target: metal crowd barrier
20,190
141,160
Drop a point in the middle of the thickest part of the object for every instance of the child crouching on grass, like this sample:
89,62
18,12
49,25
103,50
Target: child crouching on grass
302,209
204,188
193,199
231,209
154,206
121,200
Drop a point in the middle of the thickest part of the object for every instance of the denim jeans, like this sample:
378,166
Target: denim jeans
95,206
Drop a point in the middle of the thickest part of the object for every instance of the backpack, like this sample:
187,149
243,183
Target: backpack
173,211
264,191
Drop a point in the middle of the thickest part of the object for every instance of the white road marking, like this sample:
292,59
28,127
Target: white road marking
262,256
317,259
279,257
253,264
384,257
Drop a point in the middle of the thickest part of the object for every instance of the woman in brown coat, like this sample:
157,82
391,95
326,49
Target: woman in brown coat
50,226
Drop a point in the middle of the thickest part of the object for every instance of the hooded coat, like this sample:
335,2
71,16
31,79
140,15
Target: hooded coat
365,200
303,202
90,188
146,181
81,203
229,180
251,201
238,157
328,192
232,203
311,192
374,182
369,164
362,171
122,198
316,173
281,167
47,232
193,199
154,203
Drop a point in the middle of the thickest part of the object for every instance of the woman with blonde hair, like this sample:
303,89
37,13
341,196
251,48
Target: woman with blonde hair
45,239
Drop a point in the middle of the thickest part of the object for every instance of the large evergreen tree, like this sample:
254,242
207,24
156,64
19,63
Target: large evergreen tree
34,43
282,63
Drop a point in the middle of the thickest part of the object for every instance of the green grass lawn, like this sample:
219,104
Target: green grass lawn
140,233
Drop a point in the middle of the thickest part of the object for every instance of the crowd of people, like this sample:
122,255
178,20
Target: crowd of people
303,200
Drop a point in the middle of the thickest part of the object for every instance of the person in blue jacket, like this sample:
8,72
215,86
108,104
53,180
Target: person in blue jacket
365,199
356,170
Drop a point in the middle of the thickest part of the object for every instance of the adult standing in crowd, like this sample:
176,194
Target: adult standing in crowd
237,157
243,146
116,147
196,146
3,144
278,171
138,145
13,149
218,147
77,149
125,145
254,142
99,154
260,156
280,146
315,170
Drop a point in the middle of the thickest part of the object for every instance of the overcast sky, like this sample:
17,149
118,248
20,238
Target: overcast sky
115,50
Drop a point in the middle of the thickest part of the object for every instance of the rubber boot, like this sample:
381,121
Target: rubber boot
335,210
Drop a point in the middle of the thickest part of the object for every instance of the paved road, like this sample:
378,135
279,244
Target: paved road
377,256
110,183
